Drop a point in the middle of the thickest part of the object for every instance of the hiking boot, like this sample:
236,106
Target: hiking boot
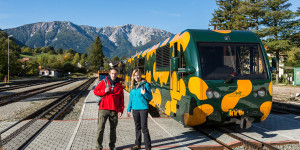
135,147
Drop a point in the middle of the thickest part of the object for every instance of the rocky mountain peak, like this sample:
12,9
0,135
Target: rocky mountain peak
117,40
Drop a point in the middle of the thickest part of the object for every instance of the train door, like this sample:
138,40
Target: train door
177,85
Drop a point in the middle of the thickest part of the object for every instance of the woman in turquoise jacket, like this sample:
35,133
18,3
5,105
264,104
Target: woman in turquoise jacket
139,98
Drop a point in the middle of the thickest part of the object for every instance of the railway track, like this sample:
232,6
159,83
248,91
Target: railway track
248,142
36,122
285,108
23,85
4,100
245,141
19,82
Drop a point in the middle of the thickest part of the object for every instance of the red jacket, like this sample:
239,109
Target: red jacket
110,101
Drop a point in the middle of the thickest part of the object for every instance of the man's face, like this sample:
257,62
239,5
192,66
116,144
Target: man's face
113,74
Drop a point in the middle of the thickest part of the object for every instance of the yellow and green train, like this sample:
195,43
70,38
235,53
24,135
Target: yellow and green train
207,77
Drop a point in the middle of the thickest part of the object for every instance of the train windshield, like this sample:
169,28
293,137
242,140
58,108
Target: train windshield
243,61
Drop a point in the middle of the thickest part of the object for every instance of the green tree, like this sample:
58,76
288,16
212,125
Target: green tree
51,61
58,64
68,67
72,51
276,23
226,17
106,67
68,57
252,10
59,51
83,60
50,48
32,67
25,49
44,50
95,57
14,49
76,59
37,50
293,32
123,57
65,51
52,52
116,58
293,57
43,61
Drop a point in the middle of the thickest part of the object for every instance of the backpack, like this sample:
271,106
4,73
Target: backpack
99,98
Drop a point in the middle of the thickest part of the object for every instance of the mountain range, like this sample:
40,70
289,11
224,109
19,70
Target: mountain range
116,41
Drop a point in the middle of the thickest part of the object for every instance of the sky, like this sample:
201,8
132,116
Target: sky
171,15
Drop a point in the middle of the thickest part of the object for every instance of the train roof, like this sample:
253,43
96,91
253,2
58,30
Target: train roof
223,36
206,36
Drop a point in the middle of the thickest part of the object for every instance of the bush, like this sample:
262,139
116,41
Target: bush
68,67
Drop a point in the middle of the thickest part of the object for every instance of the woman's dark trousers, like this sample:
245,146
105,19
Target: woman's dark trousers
141,123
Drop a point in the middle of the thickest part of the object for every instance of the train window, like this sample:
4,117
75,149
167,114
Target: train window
163,58
141,65
135,63
126,67
122,69
175,50
218,60
182,61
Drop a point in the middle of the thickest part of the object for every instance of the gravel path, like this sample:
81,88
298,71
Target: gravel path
18,110
286,93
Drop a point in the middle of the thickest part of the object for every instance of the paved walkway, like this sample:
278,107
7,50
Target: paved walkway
165,133
81,134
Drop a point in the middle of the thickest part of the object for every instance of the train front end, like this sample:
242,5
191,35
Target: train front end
234,77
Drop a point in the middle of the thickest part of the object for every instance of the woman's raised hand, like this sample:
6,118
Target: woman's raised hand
143,91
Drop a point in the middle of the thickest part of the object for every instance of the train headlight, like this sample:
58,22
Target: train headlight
216,94
209,93
261,92
255,94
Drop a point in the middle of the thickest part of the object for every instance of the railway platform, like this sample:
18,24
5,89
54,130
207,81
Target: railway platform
165,133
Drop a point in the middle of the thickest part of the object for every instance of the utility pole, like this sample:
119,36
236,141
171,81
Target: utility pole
8,59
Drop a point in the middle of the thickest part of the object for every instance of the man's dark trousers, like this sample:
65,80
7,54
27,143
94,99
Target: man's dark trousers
113,122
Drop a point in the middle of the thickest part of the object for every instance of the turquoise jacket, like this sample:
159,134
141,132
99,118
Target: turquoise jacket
139,101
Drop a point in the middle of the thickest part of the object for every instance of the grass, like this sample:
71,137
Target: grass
35,55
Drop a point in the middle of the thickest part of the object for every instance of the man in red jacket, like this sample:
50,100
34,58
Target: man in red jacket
111,105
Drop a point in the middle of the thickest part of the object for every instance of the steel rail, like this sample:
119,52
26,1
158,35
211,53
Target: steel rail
20,96
82,88
213,138
259,145
50,107
18,86
285,108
